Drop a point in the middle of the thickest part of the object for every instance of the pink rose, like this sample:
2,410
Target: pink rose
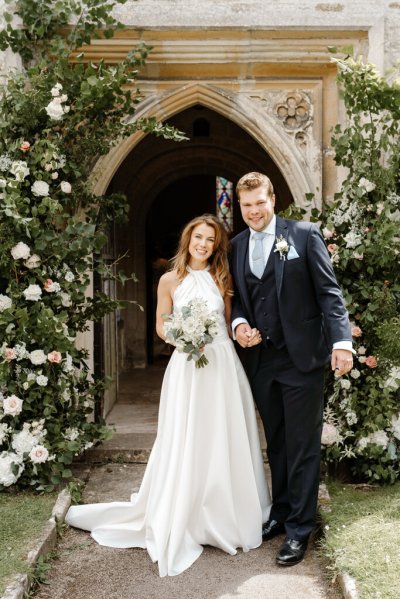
9,354
25,146
48,285
356,332
332,247
54,357
371,361
327,233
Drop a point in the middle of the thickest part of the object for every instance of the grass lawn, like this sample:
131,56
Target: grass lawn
362,535
21,521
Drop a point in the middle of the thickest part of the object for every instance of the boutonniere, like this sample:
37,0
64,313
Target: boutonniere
281,246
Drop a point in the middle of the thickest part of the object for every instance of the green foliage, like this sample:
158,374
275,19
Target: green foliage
57,116
361,228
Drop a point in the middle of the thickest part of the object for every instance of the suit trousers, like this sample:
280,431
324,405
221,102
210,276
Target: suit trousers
290,403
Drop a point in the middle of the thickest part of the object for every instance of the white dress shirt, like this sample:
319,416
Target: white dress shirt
268,243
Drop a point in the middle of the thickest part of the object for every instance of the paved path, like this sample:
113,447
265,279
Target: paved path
86,570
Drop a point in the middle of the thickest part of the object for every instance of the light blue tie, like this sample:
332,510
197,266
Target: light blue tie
258,254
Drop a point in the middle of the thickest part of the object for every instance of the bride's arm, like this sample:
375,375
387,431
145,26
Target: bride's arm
164,302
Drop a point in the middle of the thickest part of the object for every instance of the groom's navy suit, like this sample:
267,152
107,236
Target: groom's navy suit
298,308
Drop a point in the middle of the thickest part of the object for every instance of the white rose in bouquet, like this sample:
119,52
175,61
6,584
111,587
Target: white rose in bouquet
66,187
330,434
55,110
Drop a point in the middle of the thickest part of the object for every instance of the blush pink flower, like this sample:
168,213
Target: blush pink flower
25,146
54,357
356,332
9,354
332,247
327,233
371,361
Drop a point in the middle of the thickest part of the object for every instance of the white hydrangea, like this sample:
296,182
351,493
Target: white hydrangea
378,438
5,302
40,188
19,169
5,163
330,434
71,434
352,239
366,184
33,293
23,441
55,110
8,461
4,430
351,417
395,427
42,380
37,357
20,351
20,251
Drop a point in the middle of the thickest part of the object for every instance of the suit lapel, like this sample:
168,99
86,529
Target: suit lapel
281,229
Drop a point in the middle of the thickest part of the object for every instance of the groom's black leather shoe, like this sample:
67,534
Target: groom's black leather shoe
271,529
291,552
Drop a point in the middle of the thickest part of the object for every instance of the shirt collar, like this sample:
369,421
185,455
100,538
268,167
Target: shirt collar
269,229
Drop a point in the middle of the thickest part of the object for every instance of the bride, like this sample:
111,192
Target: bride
204,483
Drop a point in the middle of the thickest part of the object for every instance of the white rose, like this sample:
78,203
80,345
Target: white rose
55,110
69,276
42,380
66,300
19,169
66,187
55,91
33,293
5,302
37,357
40,188
362,350
345,383
39,454
64,98
12,405
355,373
20,251
54,175
366,184
23,442
8,461
33,261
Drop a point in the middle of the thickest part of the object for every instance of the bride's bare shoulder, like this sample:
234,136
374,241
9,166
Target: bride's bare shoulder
169,280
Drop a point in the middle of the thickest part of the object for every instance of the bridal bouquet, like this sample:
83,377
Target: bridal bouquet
191,329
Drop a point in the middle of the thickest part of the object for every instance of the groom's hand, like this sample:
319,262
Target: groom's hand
243,334
342,361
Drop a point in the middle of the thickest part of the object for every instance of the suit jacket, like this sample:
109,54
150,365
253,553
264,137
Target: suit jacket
311,305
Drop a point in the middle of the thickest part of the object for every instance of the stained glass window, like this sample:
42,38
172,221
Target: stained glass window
224,196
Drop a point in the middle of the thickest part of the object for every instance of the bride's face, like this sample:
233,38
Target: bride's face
202,242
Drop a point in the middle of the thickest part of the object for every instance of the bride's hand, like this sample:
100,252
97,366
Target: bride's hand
254,338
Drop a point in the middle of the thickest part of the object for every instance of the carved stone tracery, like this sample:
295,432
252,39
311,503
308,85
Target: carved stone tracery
295,111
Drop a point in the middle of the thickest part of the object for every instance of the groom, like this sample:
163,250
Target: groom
287,296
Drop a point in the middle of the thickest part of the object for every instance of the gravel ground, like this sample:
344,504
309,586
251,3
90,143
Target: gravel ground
85,570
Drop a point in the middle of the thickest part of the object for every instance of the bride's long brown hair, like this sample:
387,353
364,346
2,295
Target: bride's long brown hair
219,266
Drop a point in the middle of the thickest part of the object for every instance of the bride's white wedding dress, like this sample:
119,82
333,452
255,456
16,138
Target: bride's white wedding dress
204,483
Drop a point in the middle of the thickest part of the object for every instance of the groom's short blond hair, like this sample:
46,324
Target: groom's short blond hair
252,181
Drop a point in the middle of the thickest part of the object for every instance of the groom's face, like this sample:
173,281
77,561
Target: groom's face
257,207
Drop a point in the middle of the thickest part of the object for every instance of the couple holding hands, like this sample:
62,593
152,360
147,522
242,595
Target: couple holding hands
205,482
